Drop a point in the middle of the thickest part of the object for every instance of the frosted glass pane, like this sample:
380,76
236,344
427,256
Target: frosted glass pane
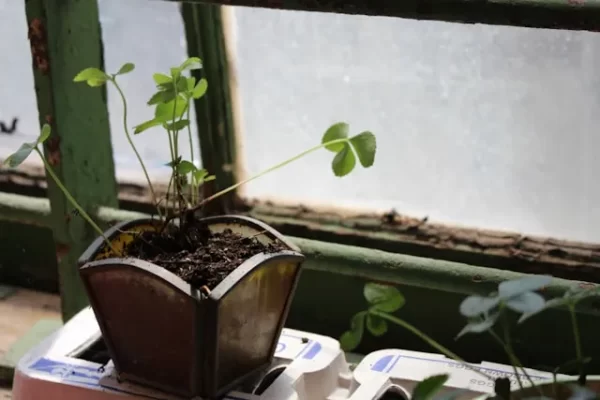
147,33
485,126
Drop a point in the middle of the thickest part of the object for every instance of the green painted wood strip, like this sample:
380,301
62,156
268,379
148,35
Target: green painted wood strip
205,39
554,14
378,265
65,38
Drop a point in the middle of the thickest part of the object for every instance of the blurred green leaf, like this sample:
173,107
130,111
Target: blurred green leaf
185,167
516,287
474,306
45,134
336,131
91,74
526,303
376,325
161,79
126,68
365,146
428,387
191,64
479,326
17,158
200,88
146,125
177,125
383,297
352,338
171,110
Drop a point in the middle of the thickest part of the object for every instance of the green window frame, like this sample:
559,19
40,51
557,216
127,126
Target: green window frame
436,263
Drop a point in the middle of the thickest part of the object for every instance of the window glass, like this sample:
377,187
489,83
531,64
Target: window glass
484,126
148,33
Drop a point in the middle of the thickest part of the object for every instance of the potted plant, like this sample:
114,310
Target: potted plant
483,313
191,305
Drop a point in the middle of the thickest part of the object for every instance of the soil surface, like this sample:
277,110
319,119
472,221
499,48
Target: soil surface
196,255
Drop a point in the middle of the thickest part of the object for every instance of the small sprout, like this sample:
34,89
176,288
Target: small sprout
191,64
92,76
429,387
479,325
516,287
125,69
376,325
145,126
161,79
18,157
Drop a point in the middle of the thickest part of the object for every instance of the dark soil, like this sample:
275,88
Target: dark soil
196,255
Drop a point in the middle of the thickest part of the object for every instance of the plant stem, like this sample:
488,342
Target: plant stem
429,341
193,189
73,201
266,171
577,339
154,198
509,353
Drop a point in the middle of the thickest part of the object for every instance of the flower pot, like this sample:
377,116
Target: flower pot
163,333
562,391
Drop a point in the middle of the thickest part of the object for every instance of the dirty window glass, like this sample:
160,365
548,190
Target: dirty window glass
148,33
483,126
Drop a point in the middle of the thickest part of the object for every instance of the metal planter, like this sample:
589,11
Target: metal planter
162,333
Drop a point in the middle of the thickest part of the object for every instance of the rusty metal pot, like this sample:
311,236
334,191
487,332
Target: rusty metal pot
163,333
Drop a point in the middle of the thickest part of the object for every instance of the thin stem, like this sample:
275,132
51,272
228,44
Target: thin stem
189,129
429,341
577,339
154,198
73,201
508,352
266,171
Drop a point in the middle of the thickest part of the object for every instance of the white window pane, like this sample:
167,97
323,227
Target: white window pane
148,33
485,126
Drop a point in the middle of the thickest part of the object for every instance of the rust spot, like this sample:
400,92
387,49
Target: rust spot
61,251
49,119
586,285
39,47
53,151
477,279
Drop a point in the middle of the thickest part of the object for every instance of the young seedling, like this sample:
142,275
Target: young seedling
17,158
172,103
483,312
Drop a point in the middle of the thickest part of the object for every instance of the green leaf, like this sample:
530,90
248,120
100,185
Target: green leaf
200,88
45,134
191,64
185,167
479,326
146,125
93,74
182,85
178,125
352,338
522,285
191,82
175,72
376,325
428,387
171,110
558,302
162,96
126,68
474,306
96,82
336,131
383,297
525,303
365,146
161,79
344,161
17,158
